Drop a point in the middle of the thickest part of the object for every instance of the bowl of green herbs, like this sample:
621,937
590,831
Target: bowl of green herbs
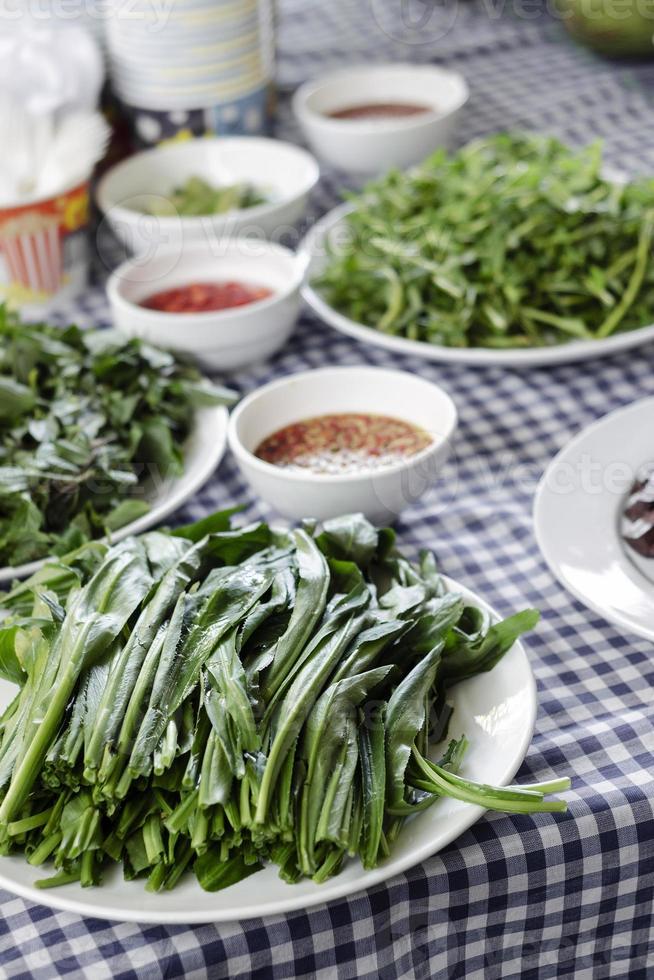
196,196
514,250
206,189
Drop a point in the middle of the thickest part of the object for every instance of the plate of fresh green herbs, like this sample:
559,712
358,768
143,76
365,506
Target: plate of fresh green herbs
515,250
216,723
100,435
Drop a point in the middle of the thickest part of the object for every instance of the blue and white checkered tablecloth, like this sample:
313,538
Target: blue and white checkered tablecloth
514,896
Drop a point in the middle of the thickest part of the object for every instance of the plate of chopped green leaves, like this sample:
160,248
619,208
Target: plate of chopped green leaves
100,435
515,250
216,722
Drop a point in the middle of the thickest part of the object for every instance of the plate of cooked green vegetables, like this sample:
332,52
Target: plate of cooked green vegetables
514,250
217,722
100,435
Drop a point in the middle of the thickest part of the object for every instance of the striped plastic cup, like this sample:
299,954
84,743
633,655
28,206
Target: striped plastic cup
43,247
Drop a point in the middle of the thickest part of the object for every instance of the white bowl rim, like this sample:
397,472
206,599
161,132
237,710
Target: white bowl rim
376,125
258,210
247,456
297,262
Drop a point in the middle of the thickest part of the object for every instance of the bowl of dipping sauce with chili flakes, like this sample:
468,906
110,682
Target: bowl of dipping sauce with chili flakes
228,304
338,440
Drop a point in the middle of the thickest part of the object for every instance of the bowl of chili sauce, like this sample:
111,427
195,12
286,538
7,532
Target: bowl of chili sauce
205,297
340,439
227,304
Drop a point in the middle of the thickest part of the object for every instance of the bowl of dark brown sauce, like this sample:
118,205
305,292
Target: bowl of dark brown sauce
366,119
341,439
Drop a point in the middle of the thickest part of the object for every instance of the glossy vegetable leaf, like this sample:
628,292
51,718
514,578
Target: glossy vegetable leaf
10,666
325,736
16,399
405,716
351,538
214,874
95,616
465,659
214,523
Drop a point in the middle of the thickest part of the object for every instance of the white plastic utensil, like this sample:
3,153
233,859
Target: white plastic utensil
50,80
50,67
18,165
76,145
46,156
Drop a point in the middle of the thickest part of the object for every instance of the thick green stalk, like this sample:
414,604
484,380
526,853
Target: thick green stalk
182,658
97,614
506,799
633,286
373,787
114,701
300,699
313,583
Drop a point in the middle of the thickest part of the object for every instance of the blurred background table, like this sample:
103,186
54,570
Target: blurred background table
514,896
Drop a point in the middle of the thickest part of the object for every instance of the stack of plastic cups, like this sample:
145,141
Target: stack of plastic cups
192,66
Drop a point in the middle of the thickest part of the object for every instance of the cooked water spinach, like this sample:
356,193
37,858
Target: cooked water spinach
513,241
217,699
85,419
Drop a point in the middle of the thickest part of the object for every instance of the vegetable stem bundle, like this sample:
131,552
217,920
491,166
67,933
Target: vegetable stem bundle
218,699
513,241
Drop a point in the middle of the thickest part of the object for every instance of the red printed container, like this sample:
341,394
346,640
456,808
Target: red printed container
44,251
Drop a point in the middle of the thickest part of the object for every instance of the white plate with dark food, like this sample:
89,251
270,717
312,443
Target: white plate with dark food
495,711
594,517
425,264
68,470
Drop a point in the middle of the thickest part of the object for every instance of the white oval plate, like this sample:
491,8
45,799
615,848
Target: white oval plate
578,511
203,450
497,712
332,228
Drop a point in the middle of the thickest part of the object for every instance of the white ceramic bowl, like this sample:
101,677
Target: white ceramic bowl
371,146
382,494
224,340
284,173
